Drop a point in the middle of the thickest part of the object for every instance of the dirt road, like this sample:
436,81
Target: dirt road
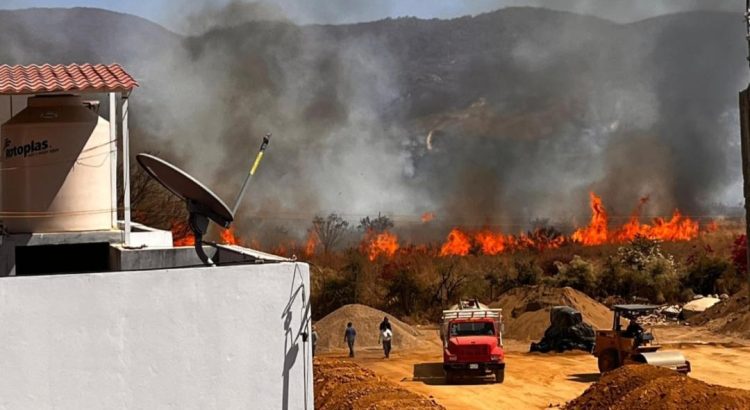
534,380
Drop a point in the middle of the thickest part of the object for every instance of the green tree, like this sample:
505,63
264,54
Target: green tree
578,274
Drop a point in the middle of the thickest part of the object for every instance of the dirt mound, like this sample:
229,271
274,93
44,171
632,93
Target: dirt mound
345,385
730,317
649,387
526,310
366,321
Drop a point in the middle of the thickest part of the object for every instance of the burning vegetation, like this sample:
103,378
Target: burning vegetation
379,240
597,232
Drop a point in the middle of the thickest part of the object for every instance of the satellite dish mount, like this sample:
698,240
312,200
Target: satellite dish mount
202,204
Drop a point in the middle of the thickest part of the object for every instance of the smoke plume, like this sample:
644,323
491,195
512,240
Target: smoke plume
499,119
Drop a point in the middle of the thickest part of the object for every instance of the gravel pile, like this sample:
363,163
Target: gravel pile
343,385
526,310
649,387
366,321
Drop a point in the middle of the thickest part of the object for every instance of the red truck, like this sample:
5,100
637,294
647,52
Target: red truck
472,337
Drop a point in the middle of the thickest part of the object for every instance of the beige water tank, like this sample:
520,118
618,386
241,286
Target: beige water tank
55,168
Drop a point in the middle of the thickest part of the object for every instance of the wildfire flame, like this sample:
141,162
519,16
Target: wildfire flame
228,237
491,243
377,244
678,228
457,244
181,234
311,243
596,232
488,242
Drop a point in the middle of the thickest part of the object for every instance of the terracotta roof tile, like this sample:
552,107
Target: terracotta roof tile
32,79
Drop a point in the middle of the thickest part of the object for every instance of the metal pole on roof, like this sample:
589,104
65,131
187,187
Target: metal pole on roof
113,154
126,167
250,174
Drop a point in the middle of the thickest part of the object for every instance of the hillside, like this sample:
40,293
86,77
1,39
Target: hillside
566,101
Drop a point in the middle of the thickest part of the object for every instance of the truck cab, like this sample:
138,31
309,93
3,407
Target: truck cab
472,342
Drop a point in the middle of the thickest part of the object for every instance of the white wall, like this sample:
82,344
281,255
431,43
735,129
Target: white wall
200,338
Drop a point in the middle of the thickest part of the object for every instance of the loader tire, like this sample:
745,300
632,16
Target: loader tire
608,360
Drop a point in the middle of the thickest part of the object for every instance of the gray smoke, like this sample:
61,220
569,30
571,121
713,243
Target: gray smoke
529,111
498,119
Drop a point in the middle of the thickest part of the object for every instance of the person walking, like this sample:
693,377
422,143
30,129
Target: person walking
385,324
386,336
314,337
350,334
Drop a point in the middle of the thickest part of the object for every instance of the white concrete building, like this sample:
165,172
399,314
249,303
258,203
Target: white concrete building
114,316
228,337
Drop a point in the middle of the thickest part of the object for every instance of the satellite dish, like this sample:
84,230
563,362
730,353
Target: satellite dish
186,188
202,204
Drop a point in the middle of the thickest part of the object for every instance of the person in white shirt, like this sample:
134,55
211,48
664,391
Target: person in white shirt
386,336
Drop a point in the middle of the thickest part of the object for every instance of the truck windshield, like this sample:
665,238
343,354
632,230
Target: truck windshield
472,329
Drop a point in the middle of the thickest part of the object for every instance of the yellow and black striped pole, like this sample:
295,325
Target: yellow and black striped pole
254,168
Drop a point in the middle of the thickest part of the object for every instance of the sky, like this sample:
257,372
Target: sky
171,13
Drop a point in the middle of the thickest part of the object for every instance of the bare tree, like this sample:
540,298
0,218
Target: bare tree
330,230
449,283
379,224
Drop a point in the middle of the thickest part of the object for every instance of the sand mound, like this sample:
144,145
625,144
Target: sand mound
345,385
526,310
730,317
366,321
649,387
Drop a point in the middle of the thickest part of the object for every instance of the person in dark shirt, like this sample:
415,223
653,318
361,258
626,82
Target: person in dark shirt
385,324
635,331
350,334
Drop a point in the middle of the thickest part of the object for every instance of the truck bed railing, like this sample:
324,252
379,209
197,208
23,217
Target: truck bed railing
472,314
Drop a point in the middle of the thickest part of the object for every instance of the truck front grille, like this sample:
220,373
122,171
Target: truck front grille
472,352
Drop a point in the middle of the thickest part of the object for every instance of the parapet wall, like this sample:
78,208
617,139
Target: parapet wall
198,338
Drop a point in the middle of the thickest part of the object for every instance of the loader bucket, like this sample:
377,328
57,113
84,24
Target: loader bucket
671,359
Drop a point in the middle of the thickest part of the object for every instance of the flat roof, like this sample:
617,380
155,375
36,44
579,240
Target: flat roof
81,78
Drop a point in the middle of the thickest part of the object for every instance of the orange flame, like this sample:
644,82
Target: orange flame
678,228
491,243
311,243
596,232
457,244
181,234
427,217
540,239
383,243
228,237
633,227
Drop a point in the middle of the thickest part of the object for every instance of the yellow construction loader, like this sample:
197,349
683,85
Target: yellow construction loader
617,347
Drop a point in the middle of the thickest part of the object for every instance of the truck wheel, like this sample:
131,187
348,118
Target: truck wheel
499,375
608,360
